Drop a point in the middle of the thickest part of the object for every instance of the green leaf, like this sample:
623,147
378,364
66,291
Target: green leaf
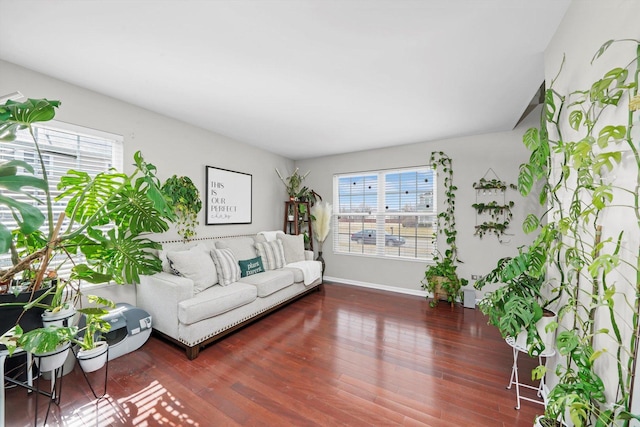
134,210
530,223
29,217
607,161
602,50
84,272
525,179
549,105
531,139
87,196
615,133
566,342
123,257
575,119
15,116
5,239
601,195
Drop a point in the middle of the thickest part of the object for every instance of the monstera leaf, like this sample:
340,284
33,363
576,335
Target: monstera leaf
88,196
28,217
133,210
122,256
16,116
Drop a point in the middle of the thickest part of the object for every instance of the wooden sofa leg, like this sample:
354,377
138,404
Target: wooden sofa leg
192,352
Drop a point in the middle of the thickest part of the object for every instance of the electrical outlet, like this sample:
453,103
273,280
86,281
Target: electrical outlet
475,277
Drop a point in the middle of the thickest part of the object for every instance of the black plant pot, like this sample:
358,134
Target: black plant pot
30,320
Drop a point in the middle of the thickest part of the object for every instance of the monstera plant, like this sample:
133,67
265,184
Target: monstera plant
105,218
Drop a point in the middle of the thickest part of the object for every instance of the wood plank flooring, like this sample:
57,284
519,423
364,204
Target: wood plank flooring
345,356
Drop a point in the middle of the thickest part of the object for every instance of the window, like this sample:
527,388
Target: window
390,213
63,147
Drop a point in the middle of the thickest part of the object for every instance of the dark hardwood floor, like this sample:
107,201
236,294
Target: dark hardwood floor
342,356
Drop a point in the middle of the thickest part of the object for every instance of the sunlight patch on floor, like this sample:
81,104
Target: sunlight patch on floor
153,405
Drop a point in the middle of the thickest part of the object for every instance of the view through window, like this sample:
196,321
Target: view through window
386,213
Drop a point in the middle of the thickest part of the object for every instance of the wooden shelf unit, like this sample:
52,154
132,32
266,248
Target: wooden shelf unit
299,221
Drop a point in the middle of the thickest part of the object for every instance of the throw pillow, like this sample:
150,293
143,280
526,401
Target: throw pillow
227,266
195,264
272,254
249,267
293,247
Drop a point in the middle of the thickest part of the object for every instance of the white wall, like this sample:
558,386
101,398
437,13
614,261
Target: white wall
174,147
472,157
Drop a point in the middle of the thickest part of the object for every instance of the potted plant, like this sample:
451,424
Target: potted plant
544,421
106,218
185,198
518,308
441,278
93,352
293,183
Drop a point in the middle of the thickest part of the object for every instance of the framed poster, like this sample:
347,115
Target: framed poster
228,197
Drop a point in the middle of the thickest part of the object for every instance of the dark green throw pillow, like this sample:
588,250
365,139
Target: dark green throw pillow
250,267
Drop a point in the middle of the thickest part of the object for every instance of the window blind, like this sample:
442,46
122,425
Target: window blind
386,213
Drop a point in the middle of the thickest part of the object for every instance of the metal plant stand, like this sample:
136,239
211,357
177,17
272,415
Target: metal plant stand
106,372
515,380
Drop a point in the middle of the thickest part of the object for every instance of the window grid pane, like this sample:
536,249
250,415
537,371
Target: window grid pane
404,227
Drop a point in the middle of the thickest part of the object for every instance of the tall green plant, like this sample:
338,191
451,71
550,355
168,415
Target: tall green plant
599,307
445,266
105,217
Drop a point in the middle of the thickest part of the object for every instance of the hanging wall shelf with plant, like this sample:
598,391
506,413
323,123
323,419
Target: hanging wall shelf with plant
441,278
491,200
185,198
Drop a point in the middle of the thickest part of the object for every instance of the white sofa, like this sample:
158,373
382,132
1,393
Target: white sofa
199,298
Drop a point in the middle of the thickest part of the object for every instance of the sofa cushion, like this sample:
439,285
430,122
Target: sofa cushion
242,247
195,264
272,254
270,281
214,301
227,266
249,267
293,247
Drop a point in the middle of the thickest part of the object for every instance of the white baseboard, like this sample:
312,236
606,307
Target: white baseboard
416,292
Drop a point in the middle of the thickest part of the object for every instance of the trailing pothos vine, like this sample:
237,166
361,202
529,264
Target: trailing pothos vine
185,198
442,276
447,217
584,242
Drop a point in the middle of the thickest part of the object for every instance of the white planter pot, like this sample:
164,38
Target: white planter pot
548,338
53,359
538,422
61,318
94,359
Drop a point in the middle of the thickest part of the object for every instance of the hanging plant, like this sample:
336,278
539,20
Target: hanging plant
186,201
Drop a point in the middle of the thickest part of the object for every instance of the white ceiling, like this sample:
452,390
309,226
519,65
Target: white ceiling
301,78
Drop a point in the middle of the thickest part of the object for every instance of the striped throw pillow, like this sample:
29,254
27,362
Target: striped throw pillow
226,265
272,254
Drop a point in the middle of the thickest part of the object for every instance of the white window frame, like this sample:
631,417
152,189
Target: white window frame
419,245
